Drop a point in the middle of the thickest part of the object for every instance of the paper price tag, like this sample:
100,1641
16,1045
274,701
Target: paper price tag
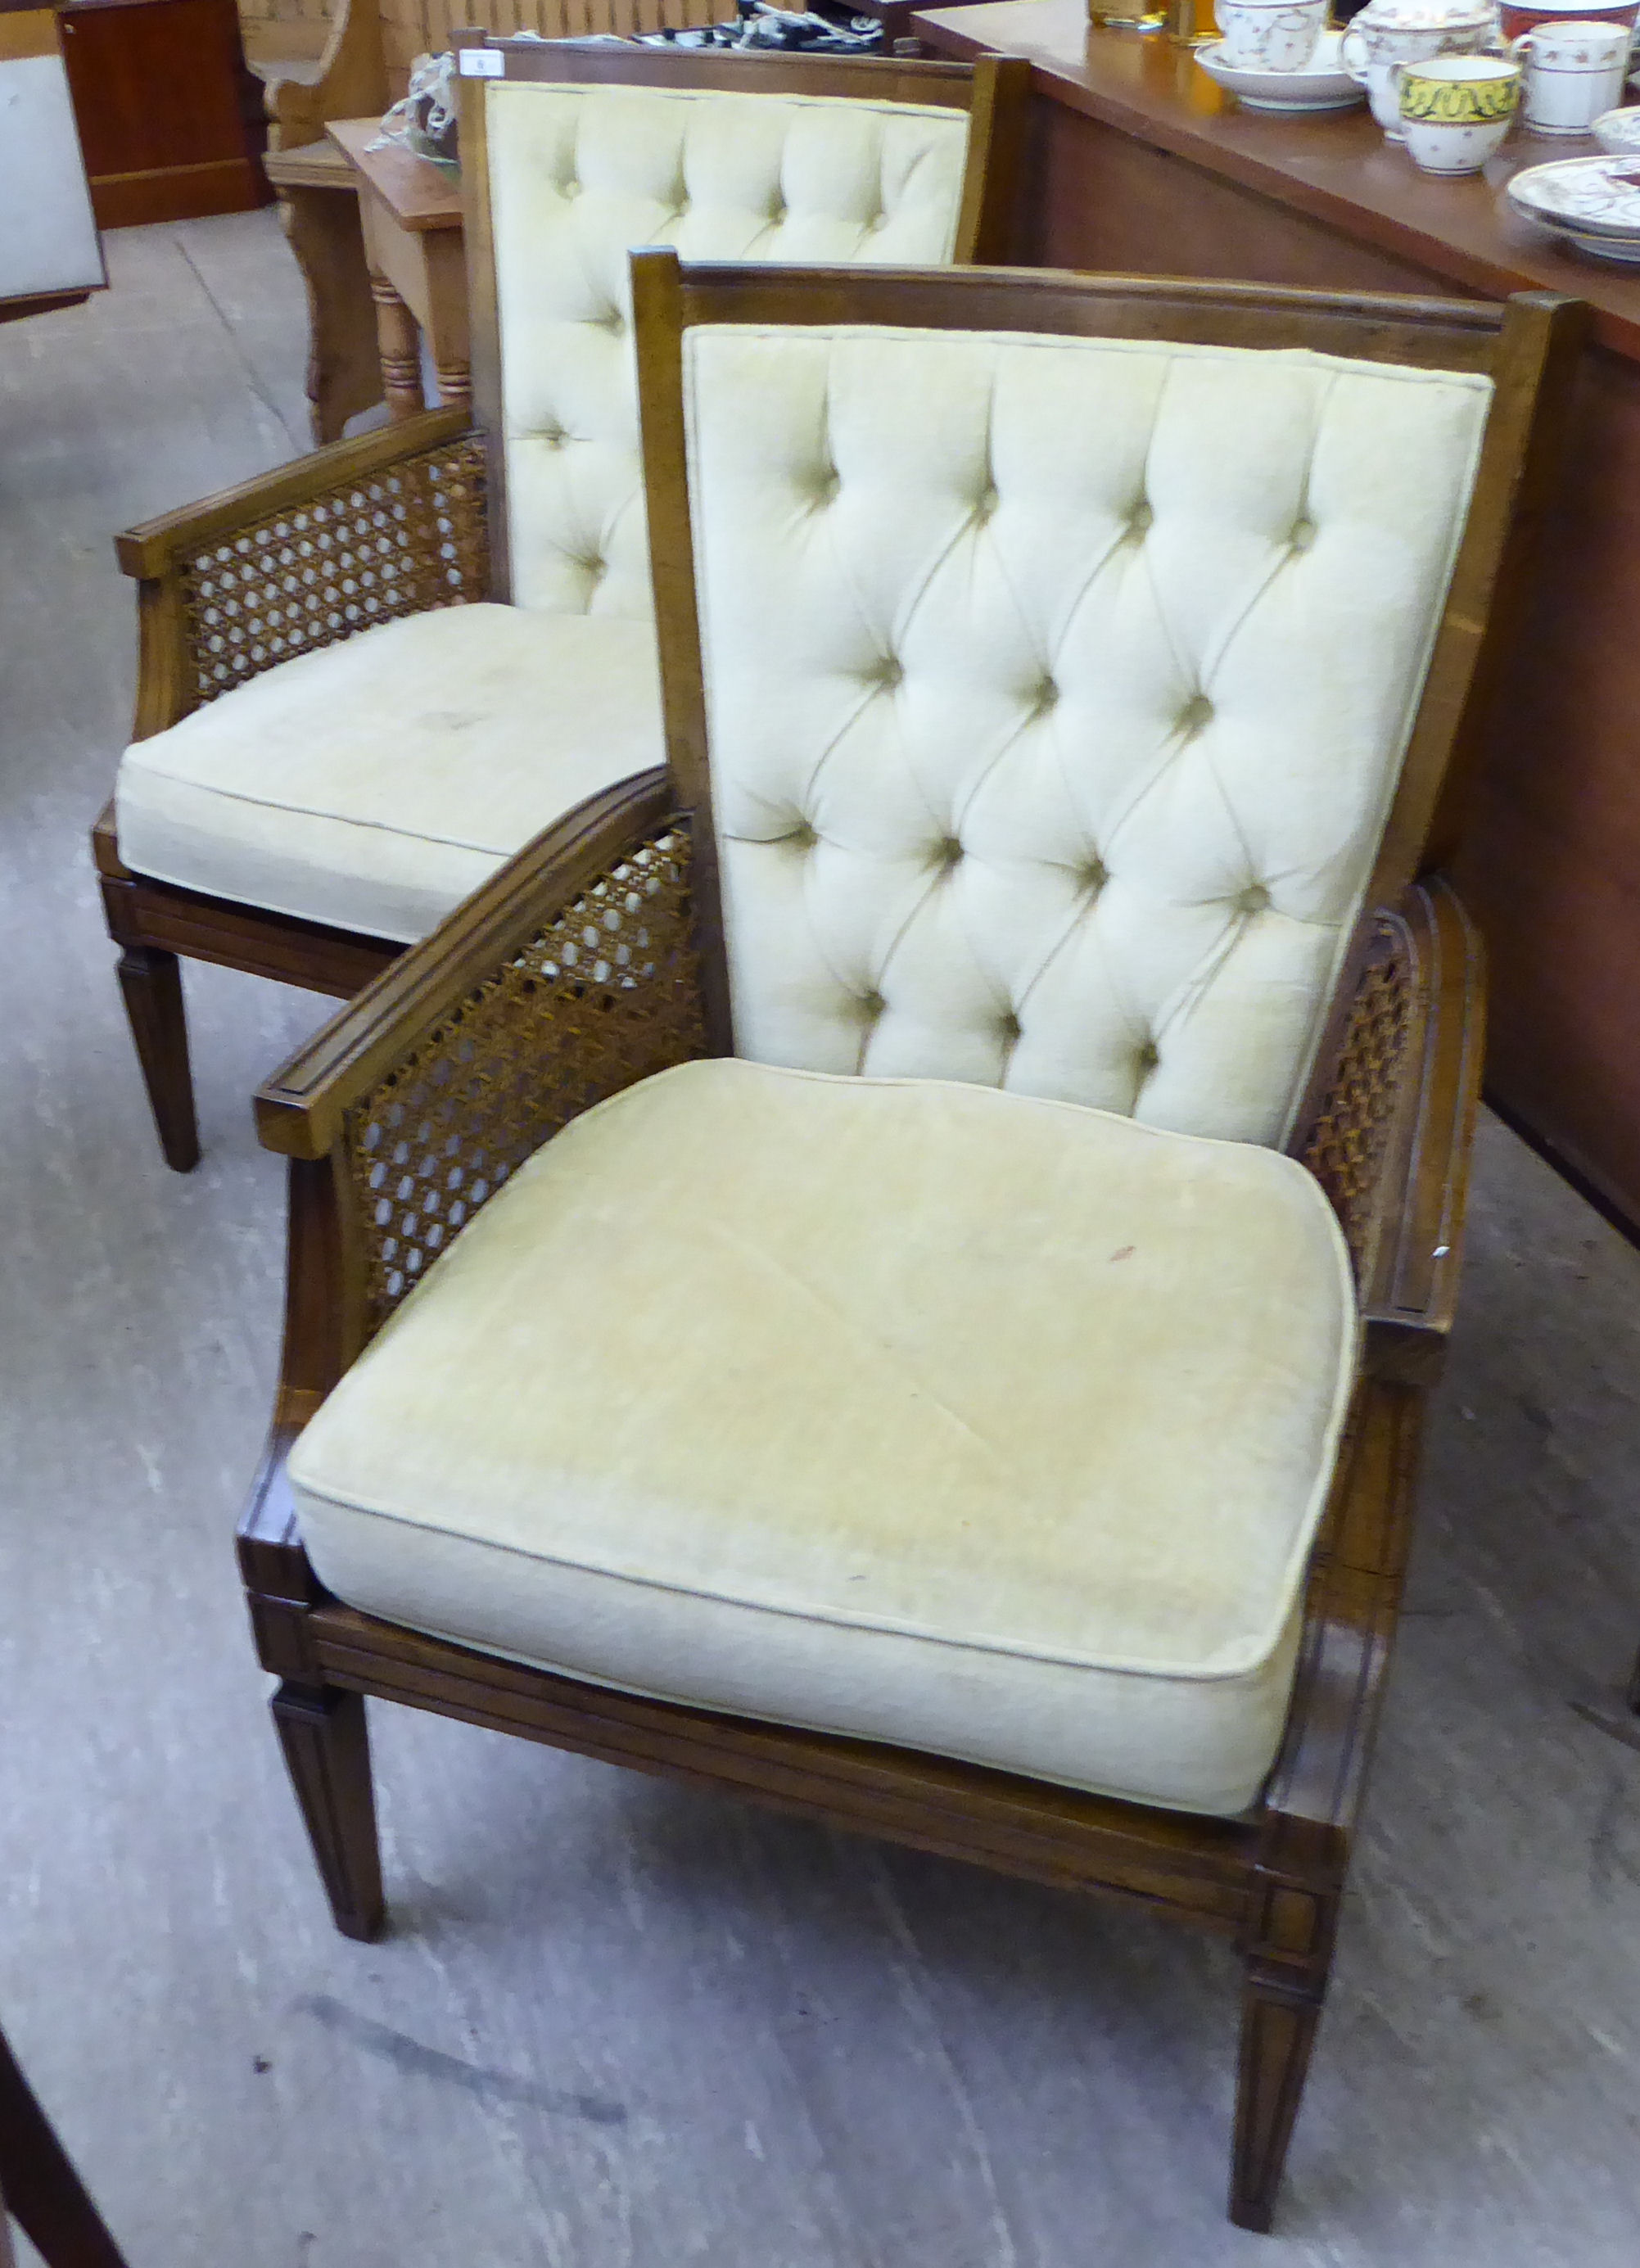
483,62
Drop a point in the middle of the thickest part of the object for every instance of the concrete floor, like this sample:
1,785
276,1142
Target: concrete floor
619,2025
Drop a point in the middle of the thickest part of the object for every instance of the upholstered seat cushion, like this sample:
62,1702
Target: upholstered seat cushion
375,783
941,1415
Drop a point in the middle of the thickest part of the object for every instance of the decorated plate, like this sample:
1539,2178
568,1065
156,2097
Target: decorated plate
1594,200
1322,84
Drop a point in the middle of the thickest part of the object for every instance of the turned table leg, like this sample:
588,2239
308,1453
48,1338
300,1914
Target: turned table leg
399,339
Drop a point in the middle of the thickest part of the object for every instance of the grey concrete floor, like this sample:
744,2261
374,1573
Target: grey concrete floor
618,2025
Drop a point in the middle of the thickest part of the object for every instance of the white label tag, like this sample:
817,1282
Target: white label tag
483,62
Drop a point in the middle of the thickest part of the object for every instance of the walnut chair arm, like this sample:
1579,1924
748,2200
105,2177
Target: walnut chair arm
570,975
358,533
1391,1138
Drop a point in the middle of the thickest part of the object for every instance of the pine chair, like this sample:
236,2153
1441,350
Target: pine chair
970,1165
368,677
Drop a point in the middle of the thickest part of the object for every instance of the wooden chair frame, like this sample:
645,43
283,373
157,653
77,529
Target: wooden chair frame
411,518
487,1032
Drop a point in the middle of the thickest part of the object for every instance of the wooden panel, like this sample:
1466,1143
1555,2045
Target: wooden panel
1164,178
170,119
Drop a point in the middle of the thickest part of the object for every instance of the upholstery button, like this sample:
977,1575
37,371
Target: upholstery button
887,674
1044,695
1302,534
825,488
595,568
1141,519
1092,874
872,1004
1008,1027
802,837
1253,899
1147,1055
569,189
947,853
985,504
1196,714
777,209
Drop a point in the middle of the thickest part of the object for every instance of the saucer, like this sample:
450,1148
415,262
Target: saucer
1593,201
1322,84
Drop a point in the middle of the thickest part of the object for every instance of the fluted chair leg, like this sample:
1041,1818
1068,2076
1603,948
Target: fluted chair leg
326,1750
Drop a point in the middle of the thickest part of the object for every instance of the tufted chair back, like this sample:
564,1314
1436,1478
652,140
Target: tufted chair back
575,175
1056,690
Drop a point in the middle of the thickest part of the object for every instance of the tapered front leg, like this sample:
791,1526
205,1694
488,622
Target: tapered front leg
326,1748
1288,1953
151,983
1278,2033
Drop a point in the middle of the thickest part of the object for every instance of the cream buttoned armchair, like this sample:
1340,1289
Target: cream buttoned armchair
369,678
895,1271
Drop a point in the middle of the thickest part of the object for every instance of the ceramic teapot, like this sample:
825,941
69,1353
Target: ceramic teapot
1389,32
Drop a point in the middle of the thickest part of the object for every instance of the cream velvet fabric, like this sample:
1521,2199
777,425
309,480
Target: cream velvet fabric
581,174
375,783
902,1408
1057,693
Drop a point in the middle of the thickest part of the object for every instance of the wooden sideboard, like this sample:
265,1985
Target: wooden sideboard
170,119
1137,161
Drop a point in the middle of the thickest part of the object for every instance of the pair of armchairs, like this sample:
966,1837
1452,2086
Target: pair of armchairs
367,679
891,1266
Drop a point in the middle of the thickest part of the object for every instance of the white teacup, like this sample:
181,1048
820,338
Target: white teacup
1455,110
1391,32
1574,73
1273,35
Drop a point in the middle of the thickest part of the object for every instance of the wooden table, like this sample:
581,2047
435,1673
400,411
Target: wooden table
319,205
410,213
1137,161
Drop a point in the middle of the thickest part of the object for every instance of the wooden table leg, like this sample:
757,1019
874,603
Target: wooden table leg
455,385
42,2191
344,368
399,342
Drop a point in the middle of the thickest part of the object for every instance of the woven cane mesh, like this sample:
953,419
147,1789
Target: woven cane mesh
399,541
603,995
1346,1149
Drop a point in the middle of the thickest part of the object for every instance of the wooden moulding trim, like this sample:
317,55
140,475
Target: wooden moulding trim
877,79
1442,334
1538,347
1411,1299
1196,1867
657,335
484,323
246,938
158,544
1002,88
1355,1592
299,1110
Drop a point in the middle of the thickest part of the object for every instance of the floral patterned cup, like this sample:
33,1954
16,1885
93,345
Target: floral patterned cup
1455,110
1273,35
1575,73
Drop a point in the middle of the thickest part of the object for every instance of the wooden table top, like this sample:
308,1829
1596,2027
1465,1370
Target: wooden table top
1335,165
420,196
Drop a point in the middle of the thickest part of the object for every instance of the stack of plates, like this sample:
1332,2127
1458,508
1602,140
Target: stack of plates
1593,202
1322,84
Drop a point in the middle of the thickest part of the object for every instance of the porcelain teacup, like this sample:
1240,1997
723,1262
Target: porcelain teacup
1391,32
1574,74
1273,35
1455,110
